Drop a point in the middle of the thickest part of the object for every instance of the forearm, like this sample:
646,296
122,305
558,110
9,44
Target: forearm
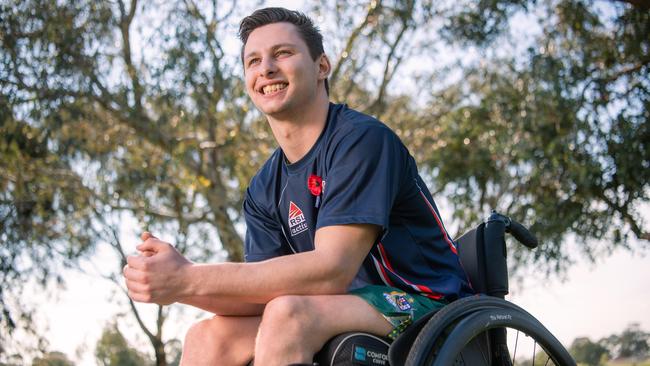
224,307
166,276
306,273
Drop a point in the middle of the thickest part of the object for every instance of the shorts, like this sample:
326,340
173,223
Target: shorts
400,308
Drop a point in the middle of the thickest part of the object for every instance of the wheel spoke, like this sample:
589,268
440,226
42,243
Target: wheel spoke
534,349
514,354
483,355
458,331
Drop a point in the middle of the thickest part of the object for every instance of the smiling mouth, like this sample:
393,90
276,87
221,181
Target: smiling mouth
270,89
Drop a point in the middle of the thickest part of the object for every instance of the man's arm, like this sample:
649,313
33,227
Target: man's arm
223,307
168,277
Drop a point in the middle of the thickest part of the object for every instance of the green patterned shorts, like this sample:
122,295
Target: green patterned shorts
400,308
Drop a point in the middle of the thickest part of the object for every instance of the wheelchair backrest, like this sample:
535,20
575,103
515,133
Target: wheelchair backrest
482,252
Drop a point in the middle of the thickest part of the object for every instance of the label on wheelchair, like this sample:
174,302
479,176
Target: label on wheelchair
364,355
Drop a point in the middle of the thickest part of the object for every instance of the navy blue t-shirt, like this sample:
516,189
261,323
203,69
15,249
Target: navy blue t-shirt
357,172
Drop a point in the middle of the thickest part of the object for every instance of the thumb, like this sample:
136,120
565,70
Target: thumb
146,235
152,245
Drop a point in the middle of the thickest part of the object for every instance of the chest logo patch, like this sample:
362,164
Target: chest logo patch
297,222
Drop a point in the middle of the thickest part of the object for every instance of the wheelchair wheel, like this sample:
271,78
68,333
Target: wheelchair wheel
463,333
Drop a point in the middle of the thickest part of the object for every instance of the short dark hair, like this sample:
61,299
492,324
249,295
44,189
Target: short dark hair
306,28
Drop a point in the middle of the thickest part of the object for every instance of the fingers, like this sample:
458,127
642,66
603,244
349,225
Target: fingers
140,297
147,253
137,285
133,275
152,244
139,262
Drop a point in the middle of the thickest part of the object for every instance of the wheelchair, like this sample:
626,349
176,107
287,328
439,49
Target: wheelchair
475,330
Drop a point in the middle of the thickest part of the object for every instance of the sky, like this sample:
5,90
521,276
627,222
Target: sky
595,299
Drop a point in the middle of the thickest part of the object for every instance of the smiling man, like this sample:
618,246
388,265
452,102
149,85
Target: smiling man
342,234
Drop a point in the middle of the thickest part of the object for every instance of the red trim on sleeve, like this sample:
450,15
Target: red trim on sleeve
440,226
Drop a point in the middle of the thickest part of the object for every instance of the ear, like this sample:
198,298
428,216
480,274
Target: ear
324,67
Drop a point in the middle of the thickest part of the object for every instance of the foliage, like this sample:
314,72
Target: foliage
555,134
52,359
113,350
633,342
584,351
113,110
540,358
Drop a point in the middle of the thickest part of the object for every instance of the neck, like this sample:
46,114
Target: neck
298,131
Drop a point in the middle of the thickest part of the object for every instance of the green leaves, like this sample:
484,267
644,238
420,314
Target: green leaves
538,109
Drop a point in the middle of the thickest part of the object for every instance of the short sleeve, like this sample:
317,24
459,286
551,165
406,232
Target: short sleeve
264,236
364,171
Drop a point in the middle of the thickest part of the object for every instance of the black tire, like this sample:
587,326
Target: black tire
430,337
455,326
481,321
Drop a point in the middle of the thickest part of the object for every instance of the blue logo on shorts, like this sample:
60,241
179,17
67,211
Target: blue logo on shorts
359,353
403,303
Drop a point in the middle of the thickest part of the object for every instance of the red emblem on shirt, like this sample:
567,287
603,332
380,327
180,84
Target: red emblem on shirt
297,222
315,184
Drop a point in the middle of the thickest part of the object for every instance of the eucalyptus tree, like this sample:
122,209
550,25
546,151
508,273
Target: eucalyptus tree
124,111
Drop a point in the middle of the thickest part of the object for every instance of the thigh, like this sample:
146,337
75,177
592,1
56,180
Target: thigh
321,317
347,313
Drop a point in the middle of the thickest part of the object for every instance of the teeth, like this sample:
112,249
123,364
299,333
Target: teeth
273,88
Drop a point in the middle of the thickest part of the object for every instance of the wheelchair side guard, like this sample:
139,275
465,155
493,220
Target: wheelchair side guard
354,348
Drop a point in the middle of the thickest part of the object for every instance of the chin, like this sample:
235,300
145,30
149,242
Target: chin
271,109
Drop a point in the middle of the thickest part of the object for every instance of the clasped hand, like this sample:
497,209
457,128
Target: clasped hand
157,274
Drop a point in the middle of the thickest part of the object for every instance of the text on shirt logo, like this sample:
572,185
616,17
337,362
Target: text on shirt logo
297,222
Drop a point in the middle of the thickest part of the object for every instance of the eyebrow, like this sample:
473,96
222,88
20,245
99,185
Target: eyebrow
274,48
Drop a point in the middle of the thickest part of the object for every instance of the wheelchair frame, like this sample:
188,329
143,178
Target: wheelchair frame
472,330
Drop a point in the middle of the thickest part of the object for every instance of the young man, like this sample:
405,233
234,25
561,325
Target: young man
342,234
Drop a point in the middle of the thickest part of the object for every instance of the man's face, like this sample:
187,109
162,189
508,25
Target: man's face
280,73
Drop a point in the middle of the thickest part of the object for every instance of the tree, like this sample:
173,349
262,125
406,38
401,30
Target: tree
631,343
81,147
113,350
53,359
554,133
587,352
125,110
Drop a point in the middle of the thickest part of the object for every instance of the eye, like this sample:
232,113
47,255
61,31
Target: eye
253,61
282,53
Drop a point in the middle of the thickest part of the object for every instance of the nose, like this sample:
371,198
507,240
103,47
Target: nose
268,67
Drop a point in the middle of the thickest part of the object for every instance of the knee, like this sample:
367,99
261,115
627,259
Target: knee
289,313
206,333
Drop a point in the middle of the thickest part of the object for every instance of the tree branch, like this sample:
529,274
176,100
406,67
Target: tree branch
627,217
125,24
203,217
151,336
372,11
377,105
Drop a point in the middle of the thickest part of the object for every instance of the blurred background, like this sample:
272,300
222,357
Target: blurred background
120,116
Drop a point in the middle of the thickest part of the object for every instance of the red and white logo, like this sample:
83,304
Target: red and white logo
297,222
